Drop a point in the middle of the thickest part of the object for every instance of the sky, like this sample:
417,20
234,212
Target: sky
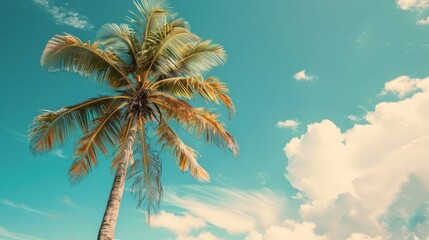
332,122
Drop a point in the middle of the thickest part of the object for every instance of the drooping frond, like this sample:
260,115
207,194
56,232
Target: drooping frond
151,15
70,54
210,89
120,148
169,45
200,121
146,173
186,157
201,58
51,128
104,134
121,40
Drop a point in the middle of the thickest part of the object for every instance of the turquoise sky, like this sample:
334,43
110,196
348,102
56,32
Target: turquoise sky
322,65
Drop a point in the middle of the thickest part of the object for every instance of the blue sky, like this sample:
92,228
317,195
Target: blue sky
332,121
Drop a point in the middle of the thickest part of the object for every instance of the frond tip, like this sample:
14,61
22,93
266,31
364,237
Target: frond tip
186,157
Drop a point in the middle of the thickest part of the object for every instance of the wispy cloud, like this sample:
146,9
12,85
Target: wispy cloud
59,153
64,16
354,118
25,208
233,210
68,201
303,76
18,136
292,124
361,38
6,234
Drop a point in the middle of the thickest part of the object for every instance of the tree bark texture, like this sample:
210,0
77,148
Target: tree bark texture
107,228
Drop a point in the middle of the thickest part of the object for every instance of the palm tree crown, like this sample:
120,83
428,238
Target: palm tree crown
152,67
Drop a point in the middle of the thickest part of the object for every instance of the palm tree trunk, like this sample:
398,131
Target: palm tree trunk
107,229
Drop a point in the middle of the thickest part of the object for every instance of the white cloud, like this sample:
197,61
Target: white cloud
234,210
360,236
404,85
24,207
303,76
179,224
288,230
201,236
424,21
6,234
68,201
412,4
59,153
64,16
361,38
18,136
354,118
292,124
343,173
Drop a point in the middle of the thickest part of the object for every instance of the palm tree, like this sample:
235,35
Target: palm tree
152,66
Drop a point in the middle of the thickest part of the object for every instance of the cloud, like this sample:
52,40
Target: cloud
64,16
288,230
68,201
361,38
6,234
18,136
342,174
58,153
233,210
292,124
24,207
423,21
412,4
404,85
354,118
360,236
303,76
179,224
203,235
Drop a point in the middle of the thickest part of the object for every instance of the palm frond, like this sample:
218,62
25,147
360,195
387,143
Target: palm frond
168,46
51,128
201,58
120,148
210,89
186,157
121,40
70,54
104,134
200,121
146,172
151,15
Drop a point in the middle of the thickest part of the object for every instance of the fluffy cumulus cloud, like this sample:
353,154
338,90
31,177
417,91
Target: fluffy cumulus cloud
404,85
64,16
179,224
288,230
292,124
412,4
303,76
352,180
